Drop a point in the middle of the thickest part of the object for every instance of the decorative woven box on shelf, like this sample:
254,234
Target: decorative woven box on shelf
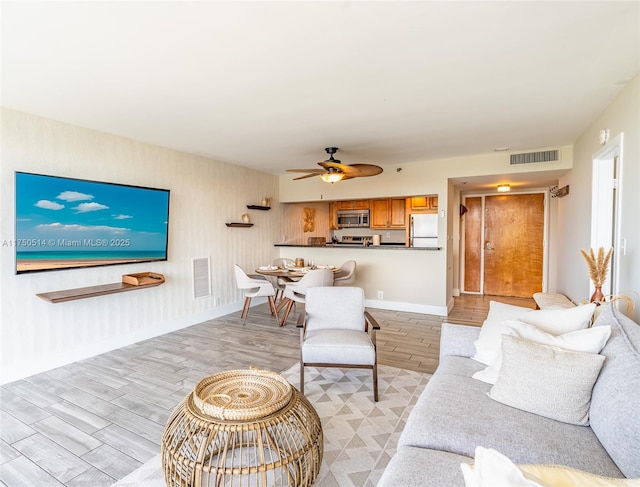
242,428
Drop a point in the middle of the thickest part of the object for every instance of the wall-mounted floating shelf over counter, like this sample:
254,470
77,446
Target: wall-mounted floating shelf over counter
258,207
130,282
239,224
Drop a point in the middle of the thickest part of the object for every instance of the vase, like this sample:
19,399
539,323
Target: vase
597,296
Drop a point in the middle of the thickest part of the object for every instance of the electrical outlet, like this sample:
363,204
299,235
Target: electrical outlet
380,295
388,234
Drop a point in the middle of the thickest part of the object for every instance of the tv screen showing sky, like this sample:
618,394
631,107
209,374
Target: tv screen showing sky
65,223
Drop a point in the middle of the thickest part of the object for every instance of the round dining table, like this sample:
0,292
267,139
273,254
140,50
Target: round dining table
286,274
289,275
293,274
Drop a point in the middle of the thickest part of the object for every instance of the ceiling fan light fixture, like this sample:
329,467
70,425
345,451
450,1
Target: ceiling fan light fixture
333,170
331,177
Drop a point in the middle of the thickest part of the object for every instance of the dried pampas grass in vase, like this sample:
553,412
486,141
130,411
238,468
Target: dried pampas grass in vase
598,266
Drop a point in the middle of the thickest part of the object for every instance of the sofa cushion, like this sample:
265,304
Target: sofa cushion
615,401
546,380
455,414
355,348
422,467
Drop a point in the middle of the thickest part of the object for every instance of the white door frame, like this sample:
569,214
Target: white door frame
545,237
606,207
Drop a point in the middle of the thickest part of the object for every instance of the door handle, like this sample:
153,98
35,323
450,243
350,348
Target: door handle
488,245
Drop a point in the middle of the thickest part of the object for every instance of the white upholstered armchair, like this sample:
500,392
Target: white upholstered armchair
336,331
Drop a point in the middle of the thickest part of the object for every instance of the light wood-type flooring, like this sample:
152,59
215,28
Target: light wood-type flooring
92,422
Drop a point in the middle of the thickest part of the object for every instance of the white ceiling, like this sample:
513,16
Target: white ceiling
269,85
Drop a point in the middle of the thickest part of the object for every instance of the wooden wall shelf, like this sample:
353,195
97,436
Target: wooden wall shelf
258,207
103,289
232,224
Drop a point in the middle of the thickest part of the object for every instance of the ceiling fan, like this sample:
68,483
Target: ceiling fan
333,170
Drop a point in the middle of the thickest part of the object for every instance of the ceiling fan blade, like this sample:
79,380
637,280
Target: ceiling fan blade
362,170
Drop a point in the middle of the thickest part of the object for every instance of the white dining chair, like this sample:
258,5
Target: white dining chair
254,288
336,331
279,283
346,275
295,292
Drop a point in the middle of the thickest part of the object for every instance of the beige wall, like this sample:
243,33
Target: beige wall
293,222
37,335
574,215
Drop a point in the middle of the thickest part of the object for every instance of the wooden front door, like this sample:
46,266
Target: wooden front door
512,247
513,244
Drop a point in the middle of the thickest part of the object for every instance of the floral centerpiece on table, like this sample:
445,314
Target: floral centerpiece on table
598,269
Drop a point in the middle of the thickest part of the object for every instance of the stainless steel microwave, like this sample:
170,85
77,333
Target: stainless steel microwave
353,218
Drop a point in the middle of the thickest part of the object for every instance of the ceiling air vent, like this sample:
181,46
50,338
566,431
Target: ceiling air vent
534,157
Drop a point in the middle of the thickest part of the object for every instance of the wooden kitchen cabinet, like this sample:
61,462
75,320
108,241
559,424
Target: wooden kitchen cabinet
352,205
333,215
388,213
424,204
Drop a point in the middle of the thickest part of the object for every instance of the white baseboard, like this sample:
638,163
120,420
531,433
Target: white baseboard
455,292
408,307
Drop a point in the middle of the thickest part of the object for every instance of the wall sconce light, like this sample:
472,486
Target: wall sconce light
503,188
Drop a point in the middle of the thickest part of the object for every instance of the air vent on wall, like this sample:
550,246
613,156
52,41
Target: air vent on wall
534,157
201,278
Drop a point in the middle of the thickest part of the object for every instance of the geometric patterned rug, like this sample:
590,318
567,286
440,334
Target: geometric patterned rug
360,435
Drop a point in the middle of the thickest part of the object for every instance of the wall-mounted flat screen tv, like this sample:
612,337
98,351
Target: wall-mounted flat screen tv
64,223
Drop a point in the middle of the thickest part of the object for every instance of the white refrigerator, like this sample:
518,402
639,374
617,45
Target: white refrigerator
423,230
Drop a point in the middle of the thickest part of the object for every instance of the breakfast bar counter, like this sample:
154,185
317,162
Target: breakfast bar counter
393,277
351,246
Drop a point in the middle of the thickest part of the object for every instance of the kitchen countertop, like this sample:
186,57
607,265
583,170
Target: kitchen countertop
383,246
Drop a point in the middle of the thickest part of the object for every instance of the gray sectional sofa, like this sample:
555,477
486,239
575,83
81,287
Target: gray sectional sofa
454,415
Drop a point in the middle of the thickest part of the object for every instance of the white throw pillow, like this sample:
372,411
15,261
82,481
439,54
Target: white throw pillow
556,322
560,321
490,339
546,380
589,340
501,311
493,469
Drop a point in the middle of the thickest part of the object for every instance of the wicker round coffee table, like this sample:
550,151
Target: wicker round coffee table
242,428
